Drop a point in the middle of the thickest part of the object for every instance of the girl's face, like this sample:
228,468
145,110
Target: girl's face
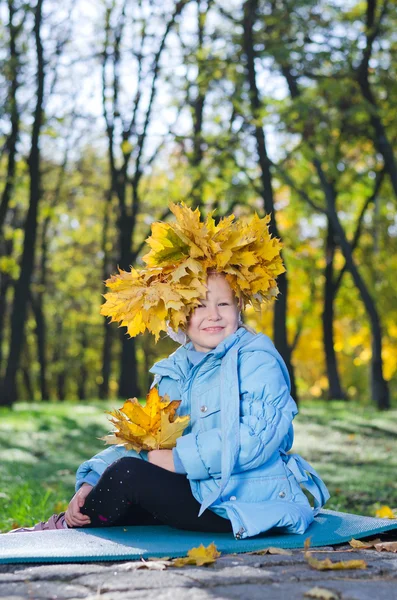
216,317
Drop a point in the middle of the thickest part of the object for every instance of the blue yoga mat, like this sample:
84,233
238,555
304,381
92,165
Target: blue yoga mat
129,543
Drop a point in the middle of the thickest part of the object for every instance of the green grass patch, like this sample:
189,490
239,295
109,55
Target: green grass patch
354,450
41,446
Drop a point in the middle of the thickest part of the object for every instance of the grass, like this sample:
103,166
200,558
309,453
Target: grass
41,445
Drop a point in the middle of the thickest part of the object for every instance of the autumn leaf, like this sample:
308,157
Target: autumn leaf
377,544
60,506
363,545
152,426
150,565
322,594
328,565
386,546
271,550
198,556
385,512
126,147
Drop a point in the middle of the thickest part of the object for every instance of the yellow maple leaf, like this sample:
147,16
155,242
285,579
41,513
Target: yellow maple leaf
198,556
363,545
385,512
152,426
329,565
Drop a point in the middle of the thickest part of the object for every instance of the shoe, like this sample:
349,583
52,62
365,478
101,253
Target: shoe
54,522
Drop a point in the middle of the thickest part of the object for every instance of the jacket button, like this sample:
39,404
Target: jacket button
203,408
282,495
232,498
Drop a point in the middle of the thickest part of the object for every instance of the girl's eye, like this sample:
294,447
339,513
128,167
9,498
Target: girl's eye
223,303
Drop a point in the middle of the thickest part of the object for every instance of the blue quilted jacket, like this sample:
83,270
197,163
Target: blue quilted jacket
235,449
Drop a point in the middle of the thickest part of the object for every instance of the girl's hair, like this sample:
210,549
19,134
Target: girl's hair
248,328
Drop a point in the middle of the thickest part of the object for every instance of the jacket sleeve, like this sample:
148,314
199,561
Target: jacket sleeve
266,414
91,470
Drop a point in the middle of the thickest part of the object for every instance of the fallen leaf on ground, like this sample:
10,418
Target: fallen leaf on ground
271,550
155,565
363,545
322,594
60,506
150,427
328,565
198,556
386,546
385,512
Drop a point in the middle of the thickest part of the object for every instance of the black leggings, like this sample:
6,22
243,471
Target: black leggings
134,492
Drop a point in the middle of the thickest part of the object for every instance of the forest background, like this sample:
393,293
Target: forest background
109,109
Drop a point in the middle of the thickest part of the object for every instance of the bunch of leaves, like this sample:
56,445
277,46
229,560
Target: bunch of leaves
329,565
150,427
181,254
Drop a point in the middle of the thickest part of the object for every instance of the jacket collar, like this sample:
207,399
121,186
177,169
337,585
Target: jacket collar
177,365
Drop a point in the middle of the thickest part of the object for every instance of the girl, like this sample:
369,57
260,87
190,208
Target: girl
230,470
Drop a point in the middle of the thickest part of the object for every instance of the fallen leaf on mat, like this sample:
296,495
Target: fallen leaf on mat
322,594
271,550
385,512
198,556
363,545
386,546
328,565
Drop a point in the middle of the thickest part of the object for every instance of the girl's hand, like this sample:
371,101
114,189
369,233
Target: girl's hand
73,516
162,458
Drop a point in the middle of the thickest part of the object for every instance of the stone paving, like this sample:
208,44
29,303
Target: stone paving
240,576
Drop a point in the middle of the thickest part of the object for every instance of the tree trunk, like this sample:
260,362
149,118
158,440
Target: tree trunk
58,360
12,139
381,140
24,371
40,330
128,379
27,380
103,388
134,133
19,309
106,361
61,386
280,307
83,374
335,391
379,386
128,384
197,109
5,283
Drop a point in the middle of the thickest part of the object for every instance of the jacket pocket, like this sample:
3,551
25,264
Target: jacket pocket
208,402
